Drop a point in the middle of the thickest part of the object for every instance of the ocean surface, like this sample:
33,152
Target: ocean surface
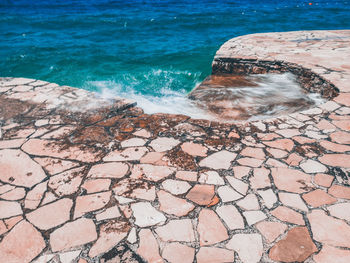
152,51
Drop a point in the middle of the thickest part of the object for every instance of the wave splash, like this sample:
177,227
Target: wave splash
162,91
157,91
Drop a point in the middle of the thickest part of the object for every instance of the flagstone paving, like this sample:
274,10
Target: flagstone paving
86,179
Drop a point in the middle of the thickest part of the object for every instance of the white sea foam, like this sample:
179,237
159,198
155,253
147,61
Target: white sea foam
272,89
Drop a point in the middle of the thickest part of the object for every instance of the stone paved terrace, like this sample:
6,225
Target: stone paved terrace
85,179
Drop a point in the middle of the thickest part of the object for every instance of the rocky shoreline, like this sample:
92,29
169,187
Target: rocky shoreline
85,179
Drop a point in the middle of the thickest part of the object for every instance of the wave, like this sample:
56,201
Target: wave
156,91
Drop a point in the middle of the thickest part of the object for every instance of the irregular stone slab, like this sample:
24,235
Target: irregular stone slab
133,142
178,253
186,176
231,216
329,230
110,235
227,194
51,215
148,247
255,153
283,144
34,196
135,189
194,149
48,148
214,254
324,180
292,200
22,244
253,217
88,203
248,246
177,230
163,144
151,172
210,228
340,191
260,178
68,182
218,160
340,137
9,209
109,213
291,180
146,215
318,198
288,215
341,160
250,202
240,186
18,168
54,166
252,162
297,246
341,211
96,185
269,197
108,170
15,194
15,143
211,177
69,257
201,194
329,254
129,154
271,230
311,166
173,205
176,187
73,234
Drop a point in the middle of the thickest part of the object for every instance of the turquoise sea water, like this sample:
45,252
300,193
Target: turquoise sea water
154,51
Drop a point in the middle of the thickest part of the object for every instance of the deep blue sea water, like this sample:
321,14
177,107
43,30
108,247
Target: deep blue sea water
154,51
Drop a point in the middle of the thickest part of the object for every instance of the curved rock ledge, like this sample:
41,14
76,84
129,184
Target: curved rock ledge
84,179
